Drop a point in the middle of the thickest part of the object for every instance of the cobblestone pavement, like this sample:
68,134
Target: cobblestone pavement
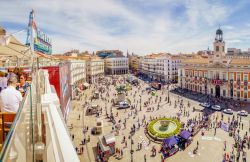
210,146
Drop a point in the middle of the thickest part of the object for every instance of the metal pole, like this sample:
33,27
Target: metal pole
140,102
131,150
168,93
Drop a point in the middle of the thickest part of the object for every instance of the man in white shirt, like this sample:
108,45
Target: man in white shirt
10,97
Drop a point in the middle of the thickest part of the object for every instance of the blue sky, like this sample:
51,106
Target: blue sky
139,26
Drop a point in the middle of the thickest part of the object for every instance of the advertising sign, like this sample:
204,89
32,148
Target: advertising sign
59,78
65,92
41,42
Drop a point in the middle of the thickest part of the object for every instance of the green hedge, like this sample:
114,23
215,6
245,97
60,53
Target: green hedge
164,135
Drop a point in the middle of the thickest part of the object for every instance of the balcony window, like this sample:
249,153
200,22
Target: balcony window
245,77
238,94
238,77
245,95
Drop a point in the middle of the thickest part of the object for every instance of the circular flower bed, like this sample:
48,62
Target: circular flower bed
160,130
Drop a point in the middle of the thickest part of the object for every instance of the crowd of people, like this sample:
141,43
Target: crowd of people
200,122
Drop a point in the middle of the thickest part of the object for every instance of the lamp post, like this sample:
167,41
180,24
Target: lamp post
106,108
131,149
140,102
168,93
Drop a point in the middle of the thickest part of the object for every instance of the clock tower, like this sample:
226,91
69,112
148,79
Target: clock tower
219,45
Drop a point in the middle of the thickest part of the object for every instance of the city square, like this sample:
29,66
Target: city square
209,143
125,81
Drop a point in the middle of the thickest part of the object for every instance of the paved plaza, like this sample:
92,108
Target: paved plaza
211,146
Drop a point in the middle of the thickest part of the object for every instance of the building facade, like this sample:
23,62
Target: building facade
116,65
94,67
78,76
162,67
217,75
134,63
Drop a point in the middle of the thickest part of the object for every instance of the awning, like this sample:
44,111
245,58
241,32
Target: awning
14,48
109,138
169,142
185,134
86,84
102,145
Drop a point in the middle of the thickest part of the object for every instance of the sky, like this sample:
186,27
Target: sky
138,26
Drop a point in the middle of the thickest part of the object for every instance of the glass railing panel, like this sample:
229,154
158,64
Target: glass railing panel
21,124
26,135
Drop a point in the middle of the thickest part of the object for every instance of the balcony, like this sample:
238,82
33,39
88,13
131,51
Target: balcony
38,132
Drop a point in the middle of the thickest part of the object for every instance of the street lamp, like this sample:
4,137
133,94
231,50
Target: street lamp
106,108
140,102
131,150
168,93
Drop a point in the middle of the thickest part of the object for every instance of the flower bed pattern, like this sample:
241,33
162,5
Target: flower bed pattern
154,133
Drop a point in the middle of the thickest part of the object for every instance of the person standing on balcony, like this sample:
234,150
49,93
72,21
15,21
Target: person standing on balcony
10,97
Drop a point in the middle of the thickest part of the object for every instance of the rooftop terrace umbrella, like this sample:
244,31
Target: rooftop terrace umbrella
169,142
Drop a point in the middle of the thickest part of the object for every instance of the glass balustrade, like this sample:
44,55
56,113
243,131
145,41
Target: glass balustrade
38,132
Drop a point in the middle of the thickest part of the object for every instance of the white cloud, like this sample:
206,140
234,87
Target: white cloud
234,41
89,24
228,27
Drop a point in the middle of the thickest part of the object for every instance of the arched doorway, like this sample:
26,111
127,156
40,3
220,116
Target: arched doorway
217,91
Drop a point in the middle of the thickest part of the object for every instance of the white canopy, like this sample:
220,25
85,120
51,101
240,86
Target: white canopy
109,138
86,84
14,48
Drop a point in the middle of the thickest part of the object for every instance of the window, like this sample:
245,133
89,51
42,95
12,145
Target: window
245,86
245,95
217,48
223,48
200,73
238,76
205,74
224,76
231,76
238,94
224,93
195,73
245,77
211,74
211,90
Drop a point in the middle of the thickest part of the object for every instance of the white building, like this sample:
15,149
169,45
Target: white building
162,67
116,65
78,75
94,67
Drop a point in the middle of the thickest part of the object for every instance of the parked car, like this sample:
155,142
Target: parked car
216,107
228,111
205,104
149,89
124,104
242,113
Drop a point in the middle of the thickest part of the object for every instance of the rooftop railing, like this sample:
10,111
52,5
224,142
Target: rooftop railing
38,132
